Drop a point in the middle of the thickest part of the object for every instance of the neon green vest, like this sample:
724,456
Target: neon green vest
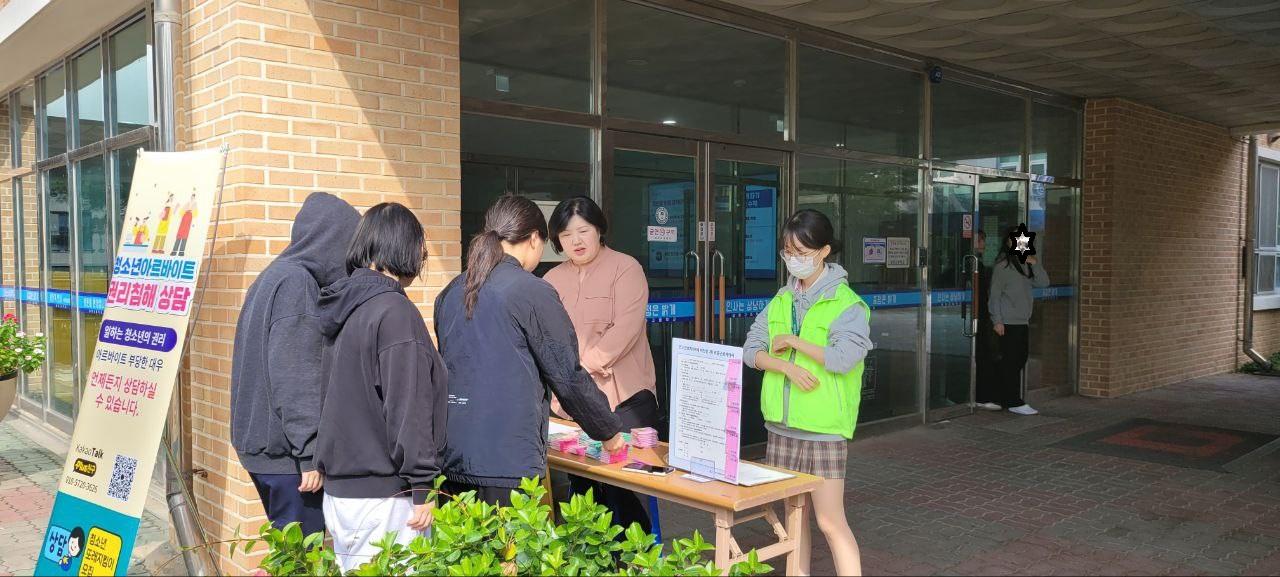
832,407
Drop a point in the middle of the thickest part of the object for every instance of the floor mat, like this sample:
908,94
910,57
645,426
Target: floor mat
1174,444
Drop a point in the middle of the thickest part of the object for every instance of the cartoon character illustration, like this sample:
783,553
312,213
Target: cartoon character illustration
184,226
75,546
138,231
162,229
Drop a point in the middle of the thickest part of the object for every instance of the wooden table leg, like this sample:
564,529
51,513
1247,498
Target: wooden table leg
724,536
798,529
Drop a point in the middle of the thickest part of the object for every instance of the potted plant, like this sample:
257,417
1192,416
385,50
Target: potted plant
469,537
18,352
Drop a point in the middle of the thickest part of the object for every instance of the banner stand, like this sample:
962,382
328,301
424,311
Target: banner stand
127,407
196,553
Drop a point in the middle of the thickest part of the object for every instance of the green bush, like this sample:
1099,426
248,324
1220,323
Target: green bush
1254,368
474,538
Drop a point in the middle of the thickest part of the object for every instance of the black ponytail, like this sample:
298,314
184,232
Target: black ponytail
513,219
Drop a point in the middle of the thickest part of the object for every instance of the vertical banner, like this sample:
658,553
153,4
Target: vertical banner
105,480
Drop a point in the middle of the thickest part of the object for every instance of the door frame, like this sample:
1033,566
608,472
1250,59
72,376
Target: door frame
929,415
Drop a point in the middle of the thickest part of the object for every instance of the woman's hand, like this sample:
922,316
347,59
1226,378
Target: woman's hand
422,516
1032,260
782,343
615,444
312,481
1000,329
801,377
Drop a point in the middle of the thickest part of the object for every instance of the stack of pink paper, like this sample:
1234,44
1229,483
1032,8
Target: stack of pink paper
644,437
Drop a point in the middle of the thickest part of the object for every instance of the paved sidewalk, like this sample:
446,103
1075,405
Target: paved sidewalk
28,479
996,494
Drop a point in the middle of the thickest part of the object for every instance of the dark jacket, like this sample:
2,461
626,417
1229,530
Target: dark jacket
383,423
275,366
504,363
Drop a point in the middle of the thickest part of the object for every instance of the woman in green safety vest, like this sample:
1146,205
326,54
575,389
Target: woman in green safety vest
811,342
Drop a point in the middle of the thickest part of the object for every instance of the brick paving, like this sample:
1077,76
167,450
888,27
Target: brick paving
990,495
28,479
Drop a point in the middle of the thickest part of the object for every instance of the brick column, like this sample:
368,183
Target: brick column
1162,228
356,97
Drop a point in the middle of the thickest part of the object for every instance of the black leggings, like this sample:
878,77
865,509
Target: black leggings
1014,347
641,410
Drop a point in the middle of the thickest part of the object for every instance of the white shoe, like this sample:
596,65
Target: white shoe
1024,410
990,407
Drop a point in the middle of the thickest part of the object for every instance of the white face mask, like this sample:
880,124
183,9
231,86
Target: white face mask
801,267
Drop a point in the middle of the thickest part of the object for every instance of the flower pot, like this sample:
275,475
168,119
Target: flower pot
8,392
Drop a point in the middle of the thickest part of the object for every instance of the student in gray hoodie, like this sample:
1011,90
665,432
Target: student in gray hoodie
811,342
275,375
1010,305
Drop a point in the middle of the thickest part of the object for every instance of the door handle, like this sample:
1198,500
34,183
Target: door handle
971,323
724,302
697,290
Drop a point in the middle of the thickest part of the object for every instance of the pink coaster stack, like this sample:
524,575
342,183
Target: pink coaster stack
644,438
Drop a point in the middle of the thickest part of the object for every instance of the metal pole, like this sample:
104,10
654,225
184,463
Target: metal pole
1250,211
195,550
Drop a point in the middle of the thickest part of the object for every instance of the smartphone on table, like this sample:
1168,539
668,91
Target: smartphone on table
638,467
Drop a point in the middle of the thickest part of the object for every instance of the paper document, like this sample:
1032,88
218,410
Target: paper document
750,475
554,428
706,408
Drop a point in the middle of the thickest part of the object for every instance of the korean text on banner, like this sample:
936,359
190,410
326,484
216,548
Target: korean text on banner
103,488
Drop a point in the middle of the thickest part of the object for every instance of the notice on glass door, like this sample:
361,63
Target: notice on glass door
873,250
706,408
898,252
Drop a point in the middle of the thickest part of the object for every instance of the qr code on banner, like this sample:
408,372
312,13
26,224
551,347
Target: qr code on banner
122,477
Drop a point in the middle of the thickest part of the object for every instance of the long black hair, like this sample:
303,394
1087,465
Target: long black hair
812,230
390,238
512,218
1010,257
576,206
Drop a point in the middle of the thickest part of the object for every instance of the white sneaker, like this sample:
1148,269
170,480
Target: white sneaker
990,407
1024,410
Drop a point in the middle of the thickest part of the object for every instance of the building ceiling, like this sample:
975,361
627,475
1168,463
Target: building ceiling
1213,60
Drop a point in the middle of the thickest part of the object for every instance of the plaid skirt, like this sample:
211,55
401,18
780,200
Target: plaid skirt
826,459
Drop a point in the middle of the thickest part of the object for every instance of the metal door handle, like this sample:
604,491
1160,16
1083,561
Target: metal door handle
697,291
724,303
971,324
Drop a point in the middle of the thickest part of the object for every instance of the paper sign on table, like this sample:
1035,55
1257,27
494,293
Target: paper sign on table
706,408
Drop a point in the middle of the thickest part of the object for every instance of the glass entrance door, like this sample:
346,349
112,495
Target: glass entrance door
953,278
702,219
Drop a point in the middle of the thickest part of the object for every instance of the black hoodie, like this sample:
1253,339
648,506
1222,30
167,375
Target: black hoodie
382,427
275,372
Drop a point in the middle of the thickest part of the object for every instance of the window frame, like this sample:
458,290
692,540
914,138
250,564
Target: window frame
1265,300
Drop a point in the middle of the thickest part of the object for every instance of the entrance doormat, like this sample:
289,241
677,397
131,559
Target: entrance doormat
1173,444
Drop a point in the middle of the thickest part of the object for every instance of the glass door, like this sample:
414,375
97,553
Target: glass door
652,203
708,275
953,277
743,270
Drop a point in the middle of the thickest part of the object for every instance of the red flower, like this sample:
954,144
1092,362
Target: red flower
11,317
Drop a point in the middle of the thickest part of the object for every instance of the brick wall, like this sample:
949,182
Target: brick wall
354,97
1162,226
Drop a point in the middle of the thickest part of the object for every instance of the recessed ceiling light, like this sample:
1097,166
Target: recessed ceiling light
740,82
638,62
669,122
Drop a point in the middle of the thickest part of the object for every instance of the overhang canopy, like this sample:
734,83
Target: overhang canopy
1211,60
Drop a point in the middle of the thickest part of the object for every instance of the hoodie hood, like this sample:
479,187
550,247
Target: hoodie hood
321,233
339,300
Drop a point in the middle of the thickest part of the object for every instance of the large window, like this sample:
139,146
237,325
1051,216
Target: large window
61,211
874,200
545,162
672,69
978,127
858,105
1267,234
535,52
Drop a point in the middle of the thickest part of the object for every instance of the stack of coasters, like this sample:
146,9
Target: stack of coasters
644,437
